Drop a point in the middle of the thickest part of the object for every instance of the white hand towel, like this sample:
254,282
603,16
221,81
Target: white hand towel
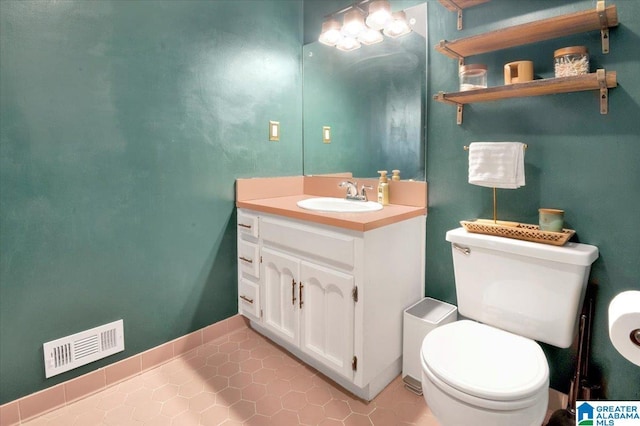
496,164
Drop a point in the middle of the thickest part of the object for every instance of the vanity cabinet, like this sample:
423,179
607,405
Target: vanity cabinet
334,297
310,307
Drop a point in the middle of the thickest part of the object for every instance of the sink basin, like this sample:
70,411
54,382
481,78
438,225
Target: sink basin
339,205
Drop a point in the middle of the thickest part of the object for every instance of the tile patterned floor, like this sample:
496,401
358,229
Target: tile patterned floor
239,379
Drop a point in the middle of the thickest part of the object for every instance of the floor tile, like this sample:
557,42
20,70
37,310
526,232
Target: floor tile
239,378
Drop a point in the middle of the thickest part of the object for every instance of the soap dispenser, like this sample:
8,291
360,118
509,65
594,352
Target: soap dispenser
383,188
396,175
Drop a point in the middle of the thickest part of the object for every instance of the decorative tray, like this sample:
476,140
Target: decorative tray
519,231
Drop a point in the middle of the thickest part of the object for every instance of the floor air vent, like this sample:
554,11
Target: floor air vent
82,348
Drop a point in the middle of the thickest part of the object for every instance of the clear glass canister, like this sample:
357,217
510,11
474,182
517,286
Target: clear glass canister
571,61
473,76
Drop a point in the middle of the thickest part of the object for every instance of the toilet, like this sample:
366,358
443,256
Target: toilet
488,369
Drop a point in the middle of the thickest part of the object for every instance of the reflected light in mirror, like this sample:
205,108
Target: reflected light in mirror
353,24
379,14
347,44
398,26
330,33
370,36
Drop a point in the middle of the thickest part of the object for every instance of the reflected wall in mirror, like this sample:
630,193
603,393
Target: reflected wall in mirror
373,100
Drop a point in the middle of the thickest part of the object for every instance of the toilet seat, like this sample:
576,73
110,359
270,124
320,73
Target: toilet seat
461,358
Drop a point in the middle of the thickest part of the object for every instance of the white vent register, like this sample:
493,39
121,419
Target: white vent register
73,351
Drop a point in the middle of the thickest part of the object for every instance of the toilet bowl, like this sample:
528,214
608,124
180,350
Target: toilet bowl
475,374
493,372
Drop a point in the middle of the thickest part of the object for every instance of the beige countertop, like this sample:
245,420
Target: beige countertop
286,206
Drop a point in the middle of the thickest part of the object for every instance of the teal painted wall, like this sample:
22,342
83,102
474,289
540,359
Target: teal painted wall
124,125
578,160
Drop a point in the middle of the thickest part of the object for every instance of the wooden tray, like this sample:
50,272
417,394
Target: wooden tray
521,231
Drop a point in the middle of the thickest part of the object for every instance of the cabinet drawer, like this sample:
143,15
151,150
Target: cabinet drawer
249,258
247,224
248,299
317,243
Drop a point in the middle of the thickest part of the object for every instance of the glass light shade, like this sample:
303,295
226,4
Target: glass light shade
398,25
330,34
353,23
370,36
379,14
348,44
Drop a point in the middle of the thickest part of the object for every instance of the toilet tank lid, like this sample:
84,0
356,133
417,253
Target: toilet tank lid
572,253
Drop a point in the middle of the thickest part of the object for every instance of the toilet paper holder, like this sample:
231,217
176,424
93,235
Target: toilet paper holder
635,336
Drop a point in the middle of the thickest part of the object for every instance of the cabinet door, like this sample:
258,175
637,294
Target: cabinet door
327,317
280,297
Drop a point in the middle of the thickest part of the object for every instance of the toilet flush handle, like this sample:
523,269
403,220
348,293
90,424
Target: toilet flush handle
464,250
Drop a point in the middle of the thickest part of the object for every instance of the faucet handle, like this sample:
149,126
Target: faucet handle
352,187
363,192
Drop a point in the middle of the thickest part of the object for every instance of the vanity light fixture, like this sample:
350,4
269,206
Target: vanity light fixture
355,29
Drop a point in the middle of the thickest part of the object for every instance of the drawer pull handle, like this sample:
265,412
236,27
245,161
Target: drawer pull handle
246,299
245,259
242,225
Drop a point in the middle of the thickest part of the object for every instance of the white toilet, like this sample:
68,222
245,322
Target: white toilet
492,372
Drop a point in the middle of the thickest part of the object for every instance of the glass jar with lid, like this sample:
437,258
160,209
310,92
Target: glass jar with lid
473,76
570,61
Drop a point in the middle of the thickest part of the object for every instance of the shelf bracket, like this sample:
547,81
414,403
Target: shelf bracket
604,92
604,26
452,54
459,110
453,5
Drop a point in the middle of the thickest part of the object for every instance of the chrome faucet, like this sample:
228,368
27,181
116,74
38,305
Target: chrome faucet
352,191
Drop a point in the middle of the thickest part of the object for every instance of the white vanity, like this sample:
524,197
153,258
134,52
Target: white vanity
331,295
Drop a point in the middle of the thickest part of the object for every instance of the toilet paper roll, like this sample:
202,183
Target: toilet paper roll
624,324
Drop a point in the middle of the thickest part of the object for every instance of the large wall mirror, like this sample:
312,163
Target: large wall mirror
370,103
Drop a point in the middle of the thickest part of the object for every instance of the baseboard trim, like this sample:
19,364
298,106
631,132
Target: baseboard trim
557,400
38,403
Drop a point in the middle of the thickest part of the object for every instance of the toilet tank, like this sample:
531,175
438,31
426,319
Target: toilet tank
531,289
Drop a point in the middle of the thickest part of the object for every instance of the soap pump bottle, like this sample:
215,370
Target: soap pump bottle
396,175
383,188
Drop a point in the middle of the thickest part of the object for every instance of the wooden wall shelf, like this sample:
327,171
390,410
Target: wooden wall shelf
600,18
459,5
600,80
